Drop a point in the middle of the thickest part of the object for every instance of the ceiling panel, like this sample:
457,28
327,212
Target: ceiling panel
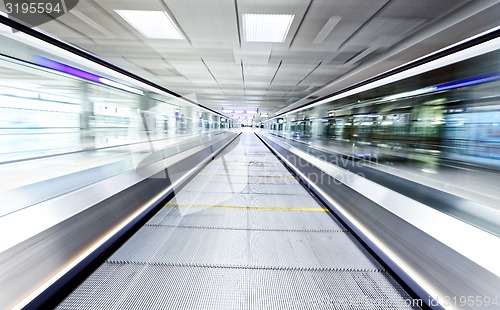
256,83
213,91
385,27
193,70
352,18
292,74
261,74
156,63
317,80
225,73
210,20
257,54
234,91
422,8
179,80
255,92
300,57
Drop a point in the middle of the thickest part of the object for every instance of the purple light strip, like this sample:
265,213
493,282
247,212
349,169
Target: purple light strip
66,69
51,64
468,82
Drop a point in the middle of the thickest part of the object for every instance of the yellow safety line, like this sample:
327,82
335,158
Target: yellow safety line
170,204
246,175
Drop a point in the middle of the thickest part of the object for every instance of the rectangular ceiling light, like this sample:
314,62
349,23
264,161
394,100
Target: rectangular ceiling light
266,27
152,24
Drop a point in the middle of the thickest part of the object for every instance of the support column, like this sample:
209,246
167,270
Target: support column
87,136
146,105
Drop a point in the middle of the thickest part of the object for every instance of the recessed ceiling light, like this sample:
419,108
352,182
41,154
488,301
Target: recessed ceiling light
152,24
266,27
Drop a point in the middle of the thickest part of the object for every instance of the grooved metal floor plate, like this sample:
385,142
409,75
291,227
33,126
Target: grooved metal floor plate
137,286
243,234
253,188
243,248
242,179
246,219
185,199
248,171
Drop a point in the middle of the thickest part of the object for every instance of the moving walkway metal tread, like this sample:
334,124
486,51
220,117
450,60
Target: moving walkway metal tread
236,248
246,179
220,247
246,219
253,188
199,200
142,286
